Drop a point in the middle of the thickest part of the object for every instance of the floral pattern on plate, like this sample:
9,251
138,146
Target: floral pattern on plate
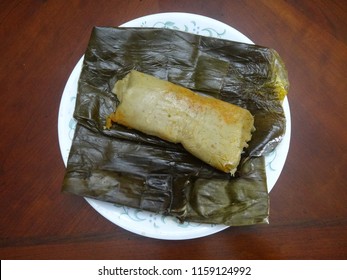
191,27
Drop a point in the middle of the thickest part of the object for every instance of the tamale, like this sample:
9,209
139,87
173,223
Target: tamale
211,129
128,167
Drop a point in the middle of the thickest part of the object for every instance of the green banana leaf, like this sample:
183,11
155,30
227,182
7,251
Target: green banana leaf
130,168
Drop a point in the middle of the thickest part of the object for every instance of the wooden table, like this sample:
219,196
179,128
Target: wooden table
41,41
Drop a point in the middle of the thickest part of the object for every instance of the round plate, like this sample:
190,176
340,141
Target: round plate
143,222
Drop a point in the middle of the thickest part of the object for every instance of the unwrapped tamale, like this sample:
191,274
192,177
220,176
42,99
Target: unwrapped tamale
211,129
132,168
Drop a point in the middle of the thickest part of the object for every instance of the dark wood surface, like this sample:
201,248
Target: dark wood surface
41,41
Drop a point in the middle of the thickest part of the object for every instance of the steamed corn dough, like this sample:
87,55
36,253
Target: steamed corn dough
212,130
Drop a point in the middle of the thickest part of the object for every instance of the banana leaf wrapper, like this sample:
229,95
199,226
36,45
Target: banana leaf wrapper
167,181
126,167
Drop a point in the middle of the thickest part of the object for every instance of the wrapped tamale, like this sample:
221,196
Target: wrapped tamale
211,129
132,168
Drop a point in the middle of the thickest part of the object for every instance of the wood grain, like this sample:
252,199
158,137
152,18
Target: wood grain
41,41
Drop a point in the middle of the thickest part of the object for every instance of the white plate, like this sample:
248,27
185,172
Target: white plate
142,222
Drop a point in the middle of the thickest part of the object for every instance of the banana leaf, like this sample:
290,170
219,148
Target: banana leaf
124,166
166,181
